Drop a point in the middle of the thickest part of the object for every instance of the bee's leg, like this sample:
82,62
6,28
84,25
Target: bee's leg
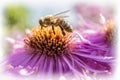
53,29
41,27
62,30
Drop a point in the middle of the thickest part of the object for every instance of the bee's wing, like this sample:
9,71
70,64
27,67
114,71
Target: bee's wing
62,14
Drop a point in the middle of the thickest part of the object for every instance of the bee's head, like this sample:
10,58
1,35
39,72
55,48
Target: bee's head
47,20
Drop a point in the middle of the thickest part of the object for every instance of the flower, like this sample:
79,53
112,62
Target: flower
44,52
92,16
94,13
79,52
98,55
96,24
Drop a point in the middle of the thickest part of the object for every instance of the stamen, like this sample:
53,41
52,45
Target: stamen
46,42
109,30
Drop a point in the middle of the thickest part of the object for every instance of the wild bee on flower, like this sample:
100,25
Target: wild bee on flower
52,48
56,20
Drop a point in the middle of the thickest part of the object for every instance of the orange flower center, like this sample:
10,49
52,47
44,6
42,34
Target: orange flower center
46,42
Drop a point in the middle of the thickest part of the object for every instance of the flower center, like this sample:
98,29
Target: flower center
109,31
46,42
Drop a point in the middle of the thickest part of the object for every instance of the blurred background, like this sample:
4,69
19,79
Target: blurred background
16,16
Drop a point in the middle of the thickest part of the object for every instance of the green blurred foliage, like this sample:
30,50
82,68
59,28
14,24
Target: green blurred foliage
17,19
16,16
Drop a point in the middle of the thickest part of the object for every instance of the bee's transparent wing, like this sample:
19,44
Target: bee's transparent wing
62,14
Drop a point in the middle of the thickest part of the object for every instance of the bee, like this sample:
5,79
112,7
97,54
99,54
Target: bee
56,20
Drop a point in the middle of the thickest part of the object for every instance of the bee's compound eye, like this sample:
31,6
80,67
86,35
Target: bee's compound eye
40,20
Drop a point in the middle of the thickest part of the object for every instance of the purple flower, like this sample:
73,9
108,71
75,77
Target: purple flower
94,12
44,52
89,50
92,16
